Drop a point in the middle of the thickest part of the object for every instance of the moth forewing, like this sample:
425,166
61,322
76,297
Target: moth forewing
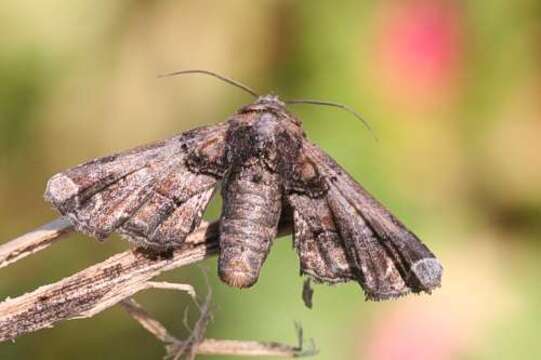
385,240
147,194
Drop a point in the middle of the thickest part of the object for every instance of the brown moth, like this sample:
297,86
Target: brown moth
155,195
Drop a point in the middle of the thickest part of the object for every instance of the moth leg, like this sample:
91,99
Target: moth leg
249,222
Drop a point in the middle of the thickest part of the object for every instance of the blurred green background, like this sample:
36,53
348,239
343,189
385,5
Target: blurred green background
452,89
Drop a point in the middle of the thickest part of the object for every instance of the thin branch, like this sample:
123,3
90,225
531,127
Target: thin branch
150,324
34,241
100,286
189,347
250,348
213,346
171,286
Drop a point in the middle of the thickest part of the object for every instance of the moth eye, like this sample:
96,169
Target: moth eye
256,178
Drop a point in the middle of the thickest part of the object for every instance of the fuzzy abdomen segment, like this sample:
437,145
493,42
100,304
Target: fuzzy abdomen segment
249,222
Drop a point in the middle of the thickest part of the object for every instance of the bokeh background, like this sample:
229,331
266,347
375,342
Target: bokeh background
452,89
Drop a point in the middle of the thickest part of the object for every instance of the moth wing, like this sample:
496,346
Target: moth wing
390,260
318,243
147,194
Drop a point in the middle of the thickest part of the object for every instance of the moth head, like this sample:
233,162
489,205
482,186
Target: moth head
270,102
269,99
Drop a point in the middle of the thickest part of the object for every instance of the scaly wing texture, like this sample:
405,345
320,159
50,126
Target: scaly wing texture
147,194
389,260
319,245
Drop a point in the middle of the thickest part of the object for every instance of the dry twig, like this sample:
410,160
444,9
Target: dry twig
176,347
100,286
34,241
189,347
150,324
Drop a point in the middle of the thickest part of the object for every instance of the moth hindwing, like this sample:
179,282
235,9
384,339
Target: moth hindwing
155,196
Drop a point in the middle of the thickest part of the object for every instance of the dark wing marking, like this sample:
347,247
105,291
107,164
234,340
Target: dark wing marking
390,259
167,217
147,194
319,246
377,271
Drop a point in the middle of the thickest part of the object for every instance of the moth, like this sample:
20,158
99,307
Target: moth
155,195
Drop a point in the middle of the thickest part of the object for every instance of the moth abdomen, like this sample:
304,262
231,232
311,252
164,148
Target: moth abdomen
249,222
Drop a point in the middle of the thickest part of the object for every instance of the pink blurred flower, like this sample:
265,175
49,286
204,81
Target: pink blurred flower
458,320
417,334
419,50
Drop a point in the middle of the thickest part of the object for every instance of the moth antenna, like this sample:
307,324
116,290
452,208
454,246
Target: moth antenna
337,105
221,77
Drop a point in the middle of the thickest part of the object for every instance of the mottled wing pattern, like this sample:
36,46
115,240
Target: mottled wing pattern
147,194
317,240
388,259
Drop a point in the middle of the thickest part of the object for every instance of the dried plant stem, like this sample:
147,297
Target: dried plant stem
34,241
98,287
171,286
248,348
212,346
150,324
